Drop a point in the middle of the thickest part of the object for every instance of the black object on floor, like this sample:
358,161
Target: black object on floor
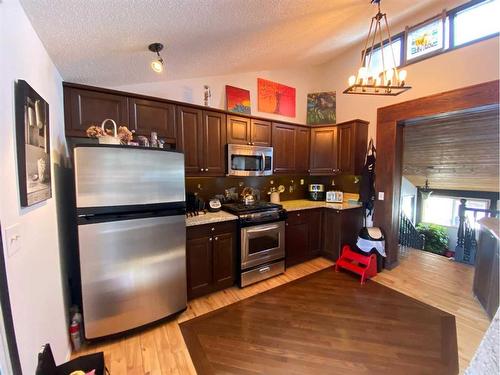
86,363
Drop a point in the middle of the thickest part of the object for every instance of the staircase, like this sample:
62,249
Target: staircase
408,234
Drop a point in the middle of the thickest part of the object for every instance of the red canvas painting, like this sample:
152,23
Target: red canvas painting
275,98
237,100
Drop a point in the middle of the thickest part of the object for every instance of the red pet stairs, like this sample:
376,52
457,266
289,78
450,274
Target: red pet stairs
364,265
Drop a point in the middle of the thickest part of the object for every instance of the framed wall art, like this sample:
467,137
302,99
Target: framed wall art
322,108
237,100
33,145
275,98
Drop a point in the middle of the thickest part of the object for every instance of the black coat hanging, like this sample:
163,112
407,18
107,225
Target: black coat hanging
367,186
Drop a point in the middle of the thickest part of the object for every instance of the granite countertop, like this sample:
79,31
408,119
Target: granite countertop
304,204
210,217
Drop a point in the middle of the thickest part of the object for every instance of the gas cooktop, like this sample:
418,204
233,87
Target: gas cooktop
260,206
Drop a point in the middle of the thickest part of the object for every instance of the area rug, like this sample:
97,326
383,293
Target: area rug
324,323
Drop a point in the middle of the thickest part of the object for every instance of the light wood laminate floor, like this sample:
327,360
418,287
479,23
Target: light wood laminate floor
427,277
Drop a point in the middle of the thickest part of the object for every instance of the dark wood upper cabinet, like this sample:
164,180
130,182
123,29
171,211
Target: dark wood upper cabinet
260,133
190,138
284,143
214,141
323,159
202,138
238,130
84,108
245,131
352,142
302,150
148,116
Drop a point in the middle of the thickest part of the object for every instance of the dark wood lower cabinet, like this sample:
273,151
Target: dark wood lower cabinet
302,236
340,227
210,258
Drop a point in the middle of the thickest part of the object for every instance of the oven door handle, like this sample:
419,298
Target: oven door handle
262,229
263,169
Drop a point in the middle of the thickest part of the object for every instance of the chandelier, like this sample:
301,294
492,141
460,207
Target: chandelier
390,81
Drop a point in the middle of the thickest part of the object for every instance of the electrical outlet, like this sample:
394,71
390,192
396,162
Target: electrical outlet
13,239
381,195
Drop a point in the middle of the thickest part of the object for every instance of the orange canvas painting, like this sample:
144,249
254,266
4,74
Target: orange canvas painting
275,98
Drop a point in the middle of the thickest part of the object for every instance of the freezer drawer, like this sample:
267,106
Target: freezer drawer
133,272
111,176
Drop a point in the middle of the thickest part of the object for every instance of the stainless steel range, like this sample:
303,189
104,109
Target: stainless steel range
262,240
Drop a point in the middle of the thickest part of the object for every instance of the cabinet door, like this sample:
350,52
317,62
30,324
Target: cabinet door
302,150
224,253
214,141
190,139
148,116
314,221
323,151
331,234
199,266
351,224
88,107
238,130
296,241
260,133
284,148
346,146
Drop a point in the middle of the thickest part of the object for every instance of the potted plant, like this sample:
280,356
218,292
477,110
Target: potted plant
436,238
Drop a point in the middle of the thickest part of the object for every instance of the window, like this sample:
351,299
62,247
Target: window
465,24
407,205
476,22
444,210
425,39
376,57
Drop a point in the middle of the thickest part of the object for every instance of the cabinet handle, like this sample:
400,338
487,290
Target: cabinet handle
206,169
213,229
308,171
298,214
210,239
286,224
216,238
201,169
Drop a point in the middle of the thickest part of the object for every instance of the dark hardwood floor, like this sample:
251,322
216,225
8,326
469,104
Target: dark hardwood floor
324,323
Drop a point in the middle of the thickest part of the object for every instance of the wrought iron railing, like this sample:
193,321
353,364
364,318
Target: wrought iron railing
465,251
409,235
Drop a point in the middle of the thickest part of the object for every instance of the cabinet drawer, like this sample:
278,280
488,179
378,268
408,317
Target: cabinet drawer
297,217
210,229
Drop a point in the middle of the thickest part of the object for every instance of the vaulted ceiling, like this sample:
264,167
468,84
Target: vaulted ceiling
105,42
458,152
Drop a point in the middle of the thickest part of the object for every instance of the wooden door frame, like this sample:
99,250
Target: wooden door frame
390,123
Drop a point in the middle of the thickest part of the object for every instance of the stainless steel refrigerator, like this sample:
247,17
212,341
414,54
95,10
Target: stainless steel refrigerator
131,236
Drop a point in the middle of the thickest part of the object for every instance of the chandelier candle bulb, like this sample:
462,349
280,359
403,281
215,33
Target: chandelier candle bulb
352,80
402,77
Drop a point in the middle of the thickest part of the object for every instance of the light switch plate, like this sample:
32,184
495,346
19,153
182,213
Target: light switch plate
13,239
380,195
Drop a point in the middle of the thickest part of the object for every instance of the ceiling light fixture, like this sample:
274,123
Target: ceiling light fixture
426,190
157,63
390,81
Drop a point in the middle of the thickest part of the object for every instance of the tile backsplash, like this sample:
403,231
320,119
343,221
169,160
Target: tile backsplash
208,187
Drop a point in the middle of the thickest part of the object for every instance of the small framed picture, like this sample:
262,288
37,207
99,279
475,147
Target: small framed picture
33,145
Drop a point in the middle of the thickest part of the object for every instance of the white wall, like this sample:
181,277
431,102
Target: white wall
304,80
34,272
462,67
409,190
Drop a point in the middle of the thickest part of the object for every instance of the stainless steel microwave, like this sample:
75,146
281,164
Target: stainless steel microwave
244,160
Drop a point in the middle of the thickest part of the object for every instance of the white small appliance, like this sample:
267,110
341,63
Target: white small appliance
334,196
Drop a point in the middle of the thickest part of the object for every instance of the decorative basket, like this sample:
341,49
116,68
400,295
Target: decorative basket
108,139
